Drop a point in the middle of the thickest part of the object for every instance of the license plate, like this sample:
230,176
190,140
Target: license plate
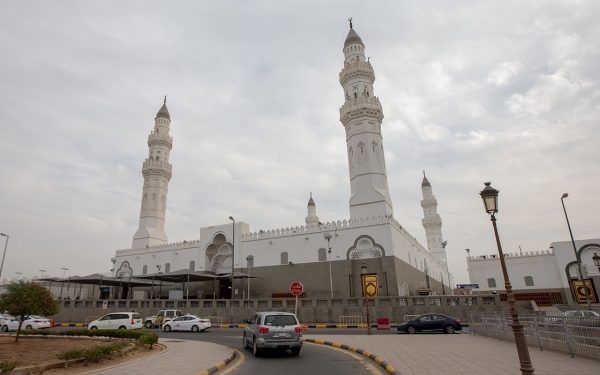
282,334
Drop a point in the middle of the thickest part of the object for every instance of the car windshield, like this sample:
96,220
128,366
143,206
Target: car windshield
280,320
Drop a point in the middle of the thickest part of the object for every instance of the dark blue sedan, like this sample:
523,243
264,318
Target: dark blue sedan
431,322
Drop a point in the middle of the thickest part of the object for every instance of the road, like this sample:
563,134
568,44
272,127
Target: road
313,358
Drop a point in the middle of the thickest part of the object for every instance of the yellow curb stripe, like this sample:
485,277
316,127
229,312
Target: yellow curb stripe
366,354
390,369
321,326
341,326
241,326
352,348
378,360
337,345
202,373
320,341
220,365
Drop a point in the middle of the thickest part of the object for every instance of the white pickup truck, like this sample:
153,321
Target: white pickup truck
156,321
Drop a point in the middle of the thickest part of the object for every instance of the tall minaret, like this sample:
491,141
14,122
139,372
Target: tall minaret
312,218
432,222
157,174
361,116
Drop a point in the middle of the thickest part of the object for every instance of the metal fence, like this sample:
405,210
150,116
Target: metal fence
573,335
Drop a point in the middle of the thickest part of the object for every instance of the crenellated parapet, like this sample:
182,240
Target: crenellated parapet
511,255
162,247
357,70
361,106
157,167
157,139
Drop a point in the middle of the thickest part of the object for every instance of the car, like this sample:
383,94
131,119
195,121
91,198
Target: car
118,320
431,322
30,322
272,331
5,318
580,313
161,317
187,323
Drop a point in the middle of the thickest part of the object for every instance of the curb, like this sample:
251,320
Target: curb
308,326
71,325
218,366
389,368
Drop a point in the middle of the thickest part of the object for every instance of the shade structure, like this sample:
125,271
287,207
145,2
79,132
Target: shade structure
181,276
237,275
101,280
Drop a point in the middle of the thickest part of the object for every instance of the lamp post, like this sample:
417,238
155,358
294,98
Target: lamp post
62,284
232,263
18,275
363,271
596,260
158,267
577,257
328,238
249,259
489,195
5,245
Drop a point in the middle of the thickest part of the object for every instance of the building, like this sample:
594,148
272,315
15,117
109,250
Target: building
325,256
545,275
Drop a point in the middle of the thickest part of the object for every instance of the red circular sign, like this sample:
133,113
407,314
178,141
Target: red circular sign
296,288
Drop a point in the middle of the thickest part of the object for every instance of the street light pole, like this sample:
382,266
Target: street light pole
42,275
328,238
249,261
363,271
232,263
490,202
577,257
5,245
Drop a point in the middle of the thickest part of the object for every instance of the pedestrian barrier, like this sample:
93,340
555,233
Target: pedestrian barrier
383,324
351,320
214,320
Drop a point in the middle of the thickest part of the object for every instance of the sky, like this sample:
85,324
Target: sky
472,91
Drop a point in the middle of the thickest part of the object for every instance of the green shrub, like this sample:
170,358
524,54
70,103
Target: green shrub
7,365
70,354
148,338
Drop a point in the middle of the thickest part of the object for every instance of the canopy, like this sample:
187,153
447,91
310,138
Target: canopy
236,275
97,278
180,276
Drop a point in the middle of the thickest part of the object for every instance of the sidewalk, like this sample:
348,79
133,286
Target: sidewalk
184,357
458,354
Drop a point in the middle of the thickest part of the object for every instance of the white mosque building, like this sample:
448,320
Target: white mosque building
325,256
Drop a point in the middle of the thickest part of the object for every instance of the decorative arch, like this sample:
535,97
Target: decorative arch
125,270
218,252
365,247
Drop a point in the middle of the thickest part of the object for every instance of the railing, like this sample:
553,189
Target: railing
351,321
214,320
574,335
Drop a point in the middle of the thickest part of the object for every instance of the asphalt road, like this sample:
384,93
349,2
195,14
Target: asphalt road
313,358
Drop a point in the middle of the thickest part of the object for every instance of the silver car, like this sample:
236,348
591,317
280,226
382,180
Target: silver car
273,330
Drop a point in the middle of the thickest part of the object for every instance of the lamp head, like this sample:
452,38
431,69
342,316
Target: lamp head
596,259
327,235
2,234
231,218
489,195
564,195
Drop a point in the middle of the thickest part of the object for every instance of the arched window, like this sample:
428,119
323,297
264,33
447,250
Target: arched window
192,265
322,254
491,282
528,281
167,267
154,201
284,257
350,154
145,270
145,204
361,156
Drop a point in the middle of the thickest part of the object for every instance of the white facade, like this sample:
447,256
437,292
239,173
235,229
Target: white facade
371,231
432,222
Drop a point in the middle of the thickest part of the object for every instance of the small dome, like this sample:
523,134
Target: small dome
352,38
425,182
311,202
163,112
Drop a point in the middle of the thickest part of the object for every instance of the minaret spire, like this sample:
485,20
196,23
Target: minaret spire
312,219
157,174
361,116
432,222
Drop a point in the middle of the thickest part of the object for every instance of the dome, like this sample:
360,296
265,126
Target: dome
425,182
163,112
310,201
352,38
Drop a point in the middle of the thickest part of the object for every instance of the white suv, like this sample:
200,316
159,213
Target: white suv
118,320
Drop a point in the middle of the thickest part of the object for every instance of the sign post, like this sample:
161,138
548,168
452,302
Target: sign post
296,288
104,306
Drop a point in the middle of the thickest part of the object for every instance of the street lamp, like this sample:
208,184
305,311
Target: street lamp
363,271
489,195
232,263
596,260
328,238
5,245
249,259
577,257
62,284
18,275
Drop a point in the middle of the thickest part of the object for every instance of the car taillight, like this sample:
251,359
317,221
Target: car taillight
263,330
298,329
38,321
204,321
457,320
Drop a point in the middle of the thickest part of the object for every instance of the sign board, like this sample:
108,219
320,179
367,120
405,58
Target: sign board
467,286
296,288
104,304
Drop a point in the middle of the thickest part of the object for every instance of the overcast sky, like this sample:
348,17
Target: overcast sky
472,91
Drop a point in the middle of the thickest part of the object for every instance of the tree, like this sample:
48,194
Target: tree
25,299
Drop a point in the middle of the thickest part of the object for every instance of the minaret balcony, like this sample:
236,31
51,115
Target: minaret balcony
363,106
160,140
357,70
157,167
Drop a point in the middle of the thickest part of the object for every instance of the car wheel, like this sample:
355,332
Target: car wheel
4,328
93,328
29,327
195,329
255,350
149,324
167,328
295,351
449,329
245,342
411,329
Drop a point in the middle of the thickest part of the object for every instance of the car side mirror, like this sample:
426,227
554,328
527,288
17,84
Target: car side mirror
245,321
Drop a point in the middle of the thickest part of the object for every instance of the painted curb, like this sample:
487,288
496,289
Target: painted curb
71,325
389,368
218,366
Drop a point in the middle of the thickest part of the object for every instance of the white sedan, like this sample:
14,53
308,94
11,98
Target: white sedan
187,323
30,322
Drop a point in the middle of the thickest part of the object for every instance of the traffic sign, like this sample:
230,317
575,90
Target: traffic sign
467,286
296,288
104,304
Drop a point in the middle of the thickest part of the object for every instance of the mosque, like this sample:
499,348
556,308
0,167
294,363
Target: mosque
326,257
